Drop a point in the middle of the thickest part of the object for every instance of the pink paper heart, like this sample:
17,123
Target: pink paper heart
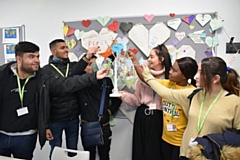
149,17
189,19
185,19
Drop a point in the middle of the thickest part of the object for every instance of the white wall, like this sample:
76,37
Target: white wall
43,20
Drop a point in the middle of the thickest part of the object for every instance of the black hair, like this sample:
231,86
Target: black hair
25,47
212,66
162,51
54,42
188,67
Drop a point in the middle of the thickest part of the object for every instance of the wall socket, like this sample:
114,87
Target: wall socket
230,49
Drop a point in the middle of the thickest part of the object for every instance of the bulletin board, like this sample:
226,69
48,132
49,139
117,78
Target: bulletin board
181,39
9,37
192,35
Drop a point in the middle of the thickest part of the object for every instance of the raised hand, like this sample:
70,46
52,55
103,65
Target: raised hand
102,73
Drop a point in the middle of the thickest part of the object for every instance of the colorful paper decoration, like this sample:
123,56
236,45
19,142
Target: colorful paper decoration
134,50
191,27
212,42
103,20
174,23
180,35
216,24
78,34
188,19
65,30
208,53
125,27
203,19
172,15
124,41
113,26
70,32
71,44
86,23
149,17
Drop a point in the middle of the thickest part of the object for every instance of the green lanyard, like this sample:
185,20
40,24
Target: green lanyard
200,124
173,106
21,90
66,74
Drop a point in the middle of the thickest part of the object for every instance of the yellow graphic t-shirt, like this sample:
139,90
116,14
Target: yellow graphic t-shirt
173,115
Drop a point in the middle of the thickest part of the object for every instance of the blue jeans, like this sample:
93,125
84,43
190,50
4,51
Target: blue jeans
19,146
71,128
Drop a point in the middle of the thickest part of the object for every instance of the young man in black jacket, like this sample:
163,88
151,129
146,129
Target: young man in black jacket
90,99
64,112
24,100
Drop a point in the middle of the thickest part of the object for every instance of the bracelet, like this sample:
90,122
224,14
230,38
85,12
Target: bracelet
85,59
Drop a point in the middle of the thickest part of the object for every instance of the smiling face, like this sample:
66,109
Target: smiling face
176,75
60,50
154,62
29,62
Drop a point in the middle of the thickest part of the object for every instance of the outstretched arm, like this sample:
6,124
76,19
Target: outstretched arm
136,64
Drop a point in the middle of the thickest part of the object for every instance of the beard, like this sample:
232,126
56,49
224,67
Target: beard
28,68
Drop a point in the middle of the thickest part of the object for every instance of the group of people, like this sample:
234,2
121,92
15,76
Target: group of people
49,100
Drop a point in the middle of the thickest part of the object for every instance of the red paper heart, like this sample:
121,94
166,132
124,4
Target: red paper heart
113,26
86,23
133,50
70,31
172,15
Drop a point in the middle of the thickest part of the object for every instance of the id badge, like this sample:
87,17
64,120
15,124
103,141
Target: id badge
192,143
22,111
153,106
171,127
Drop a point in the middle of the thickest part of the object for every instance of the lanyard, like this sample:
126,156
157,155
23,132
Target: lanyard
66,74
21,90
200,124
173,105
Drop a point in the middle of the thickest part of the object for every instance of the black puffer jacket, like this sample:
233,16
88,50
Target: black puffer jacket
48,84
64,106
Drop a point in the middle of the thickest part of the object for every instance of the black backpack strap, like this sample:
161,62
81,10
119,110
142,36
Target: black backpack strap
195,91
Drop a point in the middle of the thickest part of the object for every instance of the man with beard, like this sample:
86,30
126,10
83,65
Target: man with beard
24,100
64,112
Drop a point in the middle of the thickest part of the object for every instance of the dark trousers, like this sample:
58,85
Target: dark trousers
71,128
147,135
170,152
103,150
19,146
184,158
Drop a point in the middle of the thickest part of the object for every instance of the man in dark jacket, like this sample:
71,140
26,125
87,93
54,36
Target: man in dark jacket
64,112
24,100
90,99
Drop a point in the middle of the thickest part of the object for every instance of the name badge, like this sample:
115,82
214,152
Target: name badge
171,127
192,143
22,111
152,106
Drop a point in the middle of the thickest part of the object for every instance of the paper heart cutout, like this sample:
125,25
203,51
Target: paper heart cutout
117,48
65,30
174,23
188,19
172,15
78,34
124,41
191,27
71,44
180,35
149,17
70,32
103,20
203,19
129,81
175,42
107,53
183,51
146,39
208,53
103,39
134,50
86,23
212,42
216,24
125,27
113,26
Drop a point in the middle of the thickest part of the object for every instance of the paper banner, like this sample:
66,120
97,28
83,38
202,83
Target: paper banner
183,51
147,39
